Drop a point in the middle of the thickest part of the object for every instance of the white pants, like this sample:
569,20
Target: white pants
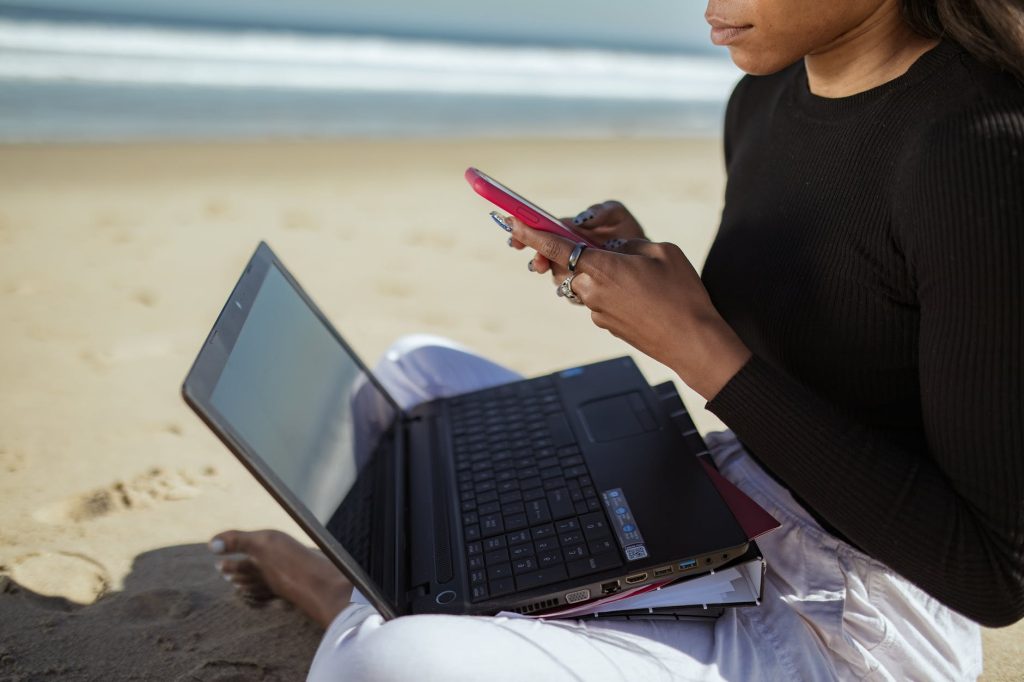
829,612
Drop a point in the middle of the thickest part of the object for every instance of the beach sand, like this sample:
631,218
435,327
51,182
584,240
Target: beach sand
114,262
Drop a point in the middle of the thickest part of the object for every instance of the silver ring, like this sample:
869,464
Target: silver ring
565,289
574,257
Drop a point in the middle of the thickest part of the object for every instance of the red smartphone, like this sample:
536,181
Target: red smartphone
528,212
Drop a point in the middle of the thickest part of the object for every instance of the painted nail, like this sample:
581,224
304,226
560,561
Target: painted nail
509,241
217,546
502,223
529,266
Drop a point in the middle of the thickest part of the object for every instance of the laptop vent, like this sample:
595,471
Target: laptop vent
536,606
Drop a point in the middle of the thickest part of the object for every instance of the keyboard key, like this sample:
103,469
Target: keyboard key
469,519
508,486
549,558
573,472
478,592
580,507
521,551
593,504
575,552
593,564
487,496
537,512
518,537
472,532
546,544
567,525
499,571
573,537
571,460
502,586
546,461
545,531
560,504
496,542
524,565
492,524
476,562
540,578
468,505
561,434
513,508
530,483
516,521
496,556
510,496
601,545
477,577
550,472
534,494
554,483
474,548
594,526
489,508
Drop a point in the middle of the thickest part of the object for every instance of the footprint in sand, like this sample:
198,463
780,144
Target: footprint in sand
10,460
225,671
144,491
71,576
159,604
146,297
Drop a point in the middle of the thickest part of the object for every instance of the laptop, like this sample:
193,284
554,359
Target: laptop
524,497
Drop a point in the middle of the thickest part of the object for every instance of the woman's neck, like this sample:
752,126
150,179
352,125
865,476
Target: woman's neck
877,51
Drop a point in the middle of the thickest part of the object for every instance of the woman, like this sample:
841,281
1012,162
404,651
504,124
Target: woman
859,327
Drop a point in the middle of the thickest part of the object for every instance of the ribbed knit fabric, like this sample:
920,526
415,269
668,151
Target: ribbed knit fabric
871,255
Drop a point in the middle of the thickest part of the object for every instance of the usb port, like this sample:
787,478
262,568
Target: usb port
688,564
636,578
664,570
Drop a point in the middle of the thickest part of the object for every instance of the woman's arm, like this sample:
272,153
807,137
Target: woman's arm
950,519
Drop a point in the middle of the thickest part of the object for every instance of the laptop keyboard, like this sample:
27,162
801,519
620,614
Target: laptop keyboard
530,514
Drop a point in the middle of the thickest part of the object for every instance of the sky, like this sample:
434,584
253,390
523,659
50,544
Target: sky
654,25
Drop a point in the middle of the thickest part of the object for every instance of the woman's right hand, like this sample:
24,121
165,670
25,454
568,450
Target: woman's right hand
601,223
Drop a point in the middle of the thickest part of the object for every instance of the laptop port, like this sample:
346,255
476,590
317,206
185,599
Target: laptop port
663,571
636,578
687,565
610,587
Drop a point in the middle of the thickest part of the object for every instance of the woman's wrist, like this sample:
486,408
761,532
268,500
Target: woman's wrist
713,359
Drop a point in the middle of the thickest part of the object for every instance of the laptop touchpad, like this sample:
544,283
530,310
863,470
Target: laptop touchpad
615,417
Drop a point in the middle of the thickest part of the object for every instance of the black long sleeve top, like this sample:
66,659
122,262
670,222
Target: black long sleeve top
871,256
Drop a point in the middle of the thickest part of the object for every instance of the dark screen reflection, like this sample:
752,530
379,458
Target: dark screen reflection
305,407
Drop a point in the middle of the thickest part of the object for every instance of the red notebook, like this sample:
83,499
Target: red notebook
752,518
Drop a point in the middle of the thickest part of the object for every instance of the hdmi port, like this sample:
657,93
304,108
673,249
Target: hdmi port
639,577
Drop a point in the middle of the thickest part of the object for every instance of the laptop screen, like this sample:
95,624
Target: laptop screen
306,408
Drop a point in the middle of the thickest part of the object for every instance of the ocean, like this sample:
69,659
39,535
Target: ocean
83,78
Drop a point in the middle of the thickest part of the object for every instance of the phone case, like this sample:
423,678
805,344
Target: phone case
529,213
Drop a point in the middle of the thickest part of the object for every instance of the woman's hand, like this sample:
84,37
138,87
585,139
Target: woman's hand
649,295
601,223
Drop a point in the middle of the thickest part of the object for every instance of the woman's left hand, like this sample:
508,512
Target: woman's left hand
649,295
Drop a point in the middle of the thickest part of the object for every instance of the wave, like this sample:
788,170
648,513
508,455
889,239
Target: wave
41,51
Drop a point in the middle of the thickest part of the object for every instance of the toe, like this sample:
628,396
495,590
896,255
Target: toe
230,542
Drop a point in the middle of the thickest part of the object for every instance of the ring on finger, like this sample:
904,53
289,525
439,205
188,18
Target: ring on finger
574,257
565,289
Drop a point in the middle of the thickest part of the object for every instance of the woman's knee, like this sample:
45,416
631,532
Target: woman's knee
412,647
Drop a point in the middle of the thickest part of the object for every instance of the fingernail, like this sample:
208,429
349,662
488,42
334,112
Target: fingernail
529,266
509,242
217,546
502,223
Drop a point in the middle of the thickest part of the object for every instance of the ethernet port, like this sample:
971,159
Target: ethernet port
610,587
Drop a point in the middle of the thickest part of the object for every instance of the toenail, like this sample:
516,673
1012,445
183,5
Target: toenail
217,546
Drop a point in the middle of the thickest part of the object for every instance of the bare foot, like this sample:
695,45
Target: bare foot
277,565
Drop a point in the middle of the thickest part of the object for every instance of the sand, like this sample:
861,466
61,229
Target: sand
114,262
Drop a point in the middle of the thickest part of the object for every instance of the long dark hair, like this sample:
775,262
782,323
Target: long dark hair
991,30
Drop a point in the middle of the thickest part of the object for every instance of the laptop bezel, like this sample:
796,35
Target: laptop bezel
198,387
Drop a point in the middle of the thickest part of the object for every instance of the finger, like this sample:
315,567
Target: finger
642,247
551,246
516,244
540,264
600,214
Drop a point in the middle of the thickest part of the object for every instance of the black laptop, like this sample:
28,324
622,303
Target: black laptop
523,497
